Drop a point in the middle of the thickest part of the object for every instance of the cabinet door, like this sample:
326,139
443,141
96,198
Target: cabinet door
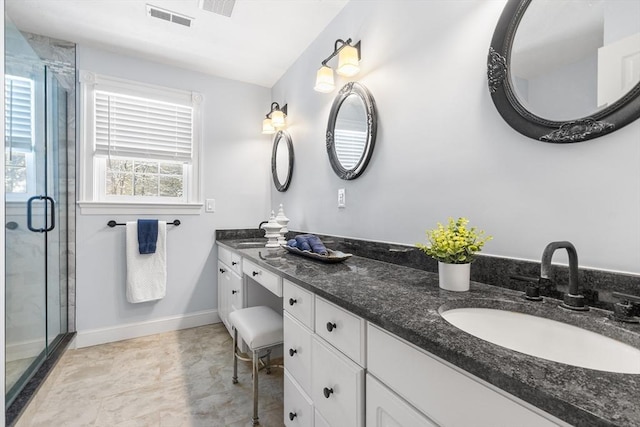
319,420
235,292
298,408
297,351
439,389
229,293
386,409
224,285
337,386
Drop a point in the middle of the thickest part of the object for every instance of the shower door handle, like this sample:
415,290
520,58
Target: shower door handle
30,214
53,213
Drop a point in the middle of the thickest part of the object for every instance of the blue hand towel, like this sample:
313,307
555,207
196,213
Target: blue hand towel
147,235
292,243
302,243
316,244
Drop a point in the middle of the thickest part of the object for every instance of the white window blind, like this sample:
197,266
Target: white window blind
19,113
144,128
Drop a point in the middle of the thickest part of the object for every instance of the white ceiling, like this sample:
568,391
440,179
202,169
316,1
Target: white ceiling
257,44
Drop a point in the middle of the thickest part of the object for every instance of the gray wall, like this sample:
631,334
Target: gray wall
236,173
443,150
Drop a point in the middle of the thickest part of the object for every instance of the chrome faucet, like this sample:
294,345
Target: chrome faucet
572,299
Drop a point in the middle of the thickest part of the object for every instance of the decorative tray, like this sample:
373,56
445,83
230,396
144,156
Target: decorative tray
331,257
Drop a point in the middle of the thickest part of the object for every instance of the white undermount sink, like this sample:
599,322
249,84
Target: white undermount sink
547,339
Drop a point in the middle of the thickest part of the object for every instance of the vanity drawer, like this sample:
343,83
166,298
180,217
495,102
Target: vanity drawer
298,408
437,388
337,386
230,259
297,351
342,329
269,280
298,302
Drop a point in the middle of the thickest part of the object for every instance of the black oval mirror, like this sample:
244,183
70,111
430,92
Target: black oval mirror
566,71
351,131
282,160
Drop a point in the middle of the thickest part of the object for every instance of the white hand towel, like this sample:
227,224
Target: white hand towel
146,274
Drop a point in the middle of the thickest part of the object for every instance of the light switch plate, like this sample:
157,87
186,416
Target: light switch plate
342,198
210,205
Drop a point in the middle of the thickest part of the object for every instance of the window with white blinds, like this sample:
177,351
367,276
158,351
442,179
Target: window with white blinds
140,146
129,126
18,121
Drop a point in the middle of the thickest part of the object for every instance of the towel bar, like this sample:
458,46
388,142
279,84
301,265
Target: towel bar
112,223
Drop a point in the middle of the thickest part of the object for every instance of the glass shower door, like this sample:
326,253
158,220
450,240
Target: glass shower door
25,177
35,203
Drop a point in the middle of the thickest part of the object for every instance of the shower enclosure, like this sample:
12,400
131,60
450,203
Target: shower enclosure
36,210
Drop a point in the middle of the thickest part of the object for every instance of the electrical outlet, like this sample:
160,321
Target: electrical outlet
210,205
342,198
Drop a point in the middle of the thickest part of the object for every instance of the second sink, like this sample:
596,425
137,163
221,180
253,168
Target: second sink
546,338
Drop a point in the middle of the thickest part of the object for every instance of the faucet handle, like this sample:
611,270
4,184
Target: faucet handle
532,291
626,308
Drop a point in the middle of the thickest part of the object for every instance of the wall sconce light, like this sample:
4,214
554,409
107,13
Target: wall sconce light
274,119
348,65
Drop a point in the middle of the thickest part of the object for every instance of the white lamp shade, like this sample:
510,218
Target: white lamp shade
277,119
348,62
267,127
324,80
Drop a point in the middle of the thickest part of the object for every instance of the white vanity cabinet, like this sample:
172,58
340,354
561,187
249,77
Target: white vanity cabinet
442,392
324,360
230,291
299,308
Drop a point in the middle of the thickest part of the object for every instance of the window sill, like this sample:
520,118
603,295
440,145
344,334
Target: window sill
133,208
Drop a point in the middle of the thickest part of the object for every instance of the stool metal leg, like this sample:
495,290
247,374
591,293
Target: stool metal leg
268,365
255,421
235,356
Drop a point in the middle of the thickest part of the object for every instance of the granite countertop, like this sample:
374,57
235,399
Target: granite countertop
406,302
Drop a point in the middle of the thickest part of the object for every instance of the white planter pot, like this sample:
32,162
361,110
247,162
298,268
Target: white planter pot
454,277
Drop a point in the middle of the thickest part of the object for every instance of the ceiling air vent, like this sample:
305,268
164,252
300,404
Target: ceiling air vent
221,7
167,15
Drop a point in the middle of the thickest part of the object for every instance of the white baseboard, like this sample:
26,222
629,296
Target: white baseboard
140,329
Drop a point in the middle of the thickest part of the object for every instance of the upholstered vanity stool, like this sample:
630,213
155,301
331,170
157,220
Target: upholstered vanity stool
261,329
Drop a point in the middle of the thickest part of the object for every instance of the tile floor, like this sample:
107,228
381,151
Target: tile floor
180,379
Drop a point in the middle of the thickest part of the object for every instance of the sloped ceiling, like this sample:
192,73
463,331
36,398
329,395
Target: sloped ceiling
257,44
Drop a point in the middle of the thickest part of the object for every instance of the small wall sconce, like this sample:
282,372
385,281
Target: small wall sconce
348,65
274,119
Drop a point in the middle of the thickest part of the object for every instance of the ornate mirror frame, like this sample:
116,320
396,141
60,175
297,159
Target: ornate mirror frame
281,137
607,120
352,88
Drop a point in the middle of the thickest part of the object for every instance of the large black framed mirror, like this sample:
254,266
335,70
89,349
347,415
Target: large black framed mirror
282,160
351,131
564,71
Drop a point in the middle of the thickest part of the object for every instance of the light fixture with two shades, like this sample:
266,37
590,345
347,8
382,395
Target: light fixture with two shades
348,65
274,120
